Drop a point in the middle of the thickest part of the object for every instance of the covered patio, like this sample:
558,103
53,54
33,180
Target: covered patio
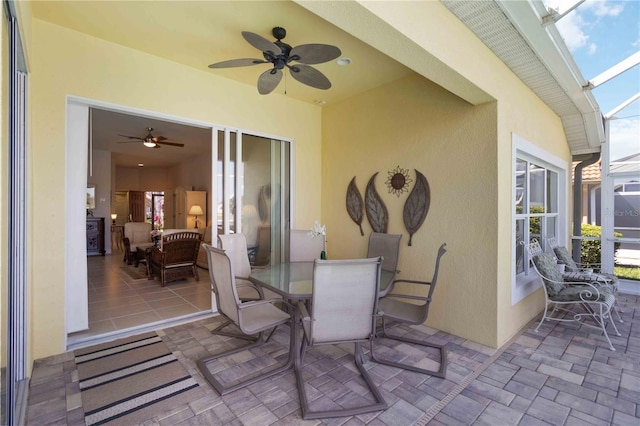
563,374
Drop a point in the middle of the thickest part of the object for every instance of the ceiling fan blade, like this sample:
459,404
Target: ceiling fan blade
131,137
268,81
314,53
310,76
169,143
261,43
245,62
159,138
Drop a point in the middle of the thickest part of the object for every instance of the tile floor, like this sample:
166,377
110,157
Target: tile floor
562,375
118,302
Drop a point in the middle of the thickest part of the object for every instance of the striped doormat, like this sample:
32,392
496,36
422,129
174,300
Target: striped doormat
130,380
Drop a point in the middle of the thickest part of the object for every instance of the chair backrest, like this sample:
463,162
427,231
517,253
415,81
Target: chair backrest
387,246
235,245
180,247
263,253
137,232
344,300
304,247
545,266
223,282
173,231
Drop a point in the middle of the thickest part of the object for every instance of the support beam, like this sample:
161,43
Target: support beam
614,71
610,114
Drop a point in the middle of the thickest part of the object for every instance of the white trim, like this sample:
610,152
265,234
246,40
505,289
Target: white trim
523,285
76,165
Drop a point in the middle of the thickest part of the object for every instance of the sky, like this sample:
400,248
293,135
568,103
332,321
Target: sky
599,34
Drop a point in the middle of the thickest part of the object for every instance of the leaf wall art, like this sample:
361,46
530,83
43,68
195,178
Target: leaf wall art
355,205
377,213
417,205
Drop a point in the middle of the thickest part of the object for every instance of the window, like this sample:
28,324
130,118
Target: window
539,208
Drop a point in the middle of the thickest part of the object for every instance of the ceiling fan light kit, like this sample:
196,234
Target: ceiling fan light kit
151,141
281,56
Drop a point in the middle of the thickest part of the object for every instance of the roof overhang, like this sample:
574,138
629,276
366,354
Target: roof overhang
548,68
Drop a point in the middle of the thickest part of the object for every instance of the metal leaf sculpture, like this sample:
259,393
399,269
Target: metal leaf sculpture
376,210
355,205
417,205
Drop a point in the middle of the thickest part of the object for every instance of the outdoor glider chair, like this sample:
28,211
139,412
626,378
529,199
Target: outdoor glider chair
251,318
177,259
571,301
576,272
388,247
344,301
410,309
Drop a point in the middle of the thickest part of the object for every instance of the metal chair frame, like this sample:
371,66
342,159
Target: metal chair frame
401,312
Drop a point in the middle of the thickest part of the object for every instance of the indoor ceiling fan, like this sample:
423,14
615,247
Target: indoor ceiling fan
151,141
282,55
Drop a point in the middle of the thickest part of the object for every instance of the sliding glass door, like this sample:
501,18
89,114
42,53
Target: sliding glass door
253,186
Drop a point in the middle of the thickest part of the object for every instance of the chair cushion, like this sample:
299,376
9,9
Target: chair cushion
565,258
546,265
572,293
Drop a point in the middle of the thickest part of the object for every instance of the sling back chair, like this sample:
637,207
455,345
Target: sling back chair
304,247
571,301
251,318
392,308
343,310
388,247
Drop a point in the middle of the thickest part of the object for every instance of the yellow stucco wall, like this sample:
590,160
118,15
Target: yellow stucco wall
65,63
485,265
415,124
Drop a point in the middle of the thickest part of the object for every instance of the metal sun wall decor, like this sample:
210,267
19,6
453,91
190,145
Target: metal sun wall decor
415,208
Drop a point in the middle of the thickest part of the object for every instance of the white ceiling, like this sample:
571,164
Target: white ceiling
199,33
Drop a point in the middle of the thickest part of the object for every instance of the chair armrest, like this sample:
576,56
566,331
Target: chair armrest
389,292
304,313
156,255
249,304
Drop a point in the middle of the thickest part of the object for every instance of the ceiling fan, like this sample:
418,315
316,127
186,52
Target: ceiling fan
151,141
282,55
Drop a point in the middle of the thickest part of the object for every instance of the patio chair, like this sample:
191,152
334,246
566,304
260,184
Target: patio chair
387,246
251,318
177,259
563,297
413,311
578,272
344,302
136,235
235,245
304,247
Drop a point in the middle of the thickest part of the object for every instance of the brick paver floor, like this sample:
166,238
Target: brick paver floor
564,374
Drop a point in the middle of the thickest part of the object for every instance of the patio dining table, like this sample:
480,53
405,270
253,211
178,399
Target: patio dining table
294,280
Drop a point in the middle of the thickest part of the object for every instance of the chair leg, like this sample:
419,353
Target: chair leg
378,405
222,389
443,354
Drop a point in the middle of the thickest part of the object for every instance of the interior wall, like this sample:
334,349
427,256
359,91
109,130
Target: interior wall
87,64
414,124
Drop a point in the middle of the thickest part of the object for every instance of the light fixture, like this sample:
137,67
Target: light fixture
344,61
196,211
140,164
114,216
149,142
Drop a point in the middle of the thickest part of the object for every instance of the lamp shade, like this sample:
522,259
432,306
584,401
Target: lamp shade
114,216
196,210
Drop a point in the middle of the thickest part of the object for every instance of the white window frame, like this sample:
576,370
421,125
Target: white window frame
523,284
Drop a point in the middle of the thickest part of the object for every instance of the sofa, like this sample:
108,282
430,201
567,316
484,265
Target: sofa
136,235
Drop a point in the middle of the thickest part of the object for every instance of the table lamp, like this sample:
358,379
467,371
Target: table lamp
196,211
113,218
